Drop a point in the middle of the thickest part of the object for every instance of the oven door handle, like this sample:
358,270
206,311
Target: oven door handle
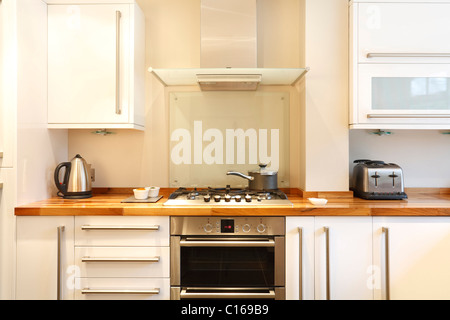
228,293
195,242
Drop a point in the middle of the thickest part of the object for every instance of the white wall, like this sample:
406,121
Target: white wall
422,154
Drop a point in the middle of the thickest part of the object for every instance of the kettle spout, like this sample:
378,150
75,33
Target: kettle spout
234,173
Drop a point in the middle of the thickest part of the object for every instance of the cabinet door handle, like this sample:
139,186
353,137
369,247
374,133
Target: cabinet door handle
1,154
327,261
1,185
407,55
113,259
134,228
300,263
120,291
386,262
59,281
118,108
407,116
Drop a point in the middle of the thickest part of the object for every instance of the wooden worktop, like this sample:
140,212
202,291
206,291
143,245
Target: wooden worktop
420,202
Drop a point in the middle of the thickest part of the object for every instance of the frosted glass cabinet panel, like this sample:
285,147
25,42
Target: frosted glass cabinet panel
403,93
215,132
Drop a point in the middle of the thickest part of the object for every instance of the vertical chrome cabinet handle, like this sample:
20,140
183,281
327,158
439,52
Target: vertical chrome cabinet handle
327,255
386,261
59,263
118,16
300,263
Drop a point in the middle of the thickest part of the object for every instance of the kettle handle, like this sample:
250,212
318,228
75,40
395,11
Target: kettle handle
62,187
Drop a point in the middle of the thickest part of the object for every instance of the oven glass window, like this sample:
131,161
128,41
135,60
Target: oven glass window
227,266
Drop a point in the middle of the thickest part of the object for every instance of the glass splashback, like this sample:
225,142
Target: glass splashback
215,132
410,93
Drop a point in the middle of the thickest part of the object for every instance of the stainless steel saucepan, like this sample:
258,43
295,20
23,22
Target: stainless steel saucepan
259,179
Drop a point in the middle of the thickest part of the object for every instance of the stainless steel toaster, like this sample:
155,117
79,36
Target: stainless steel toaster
377,180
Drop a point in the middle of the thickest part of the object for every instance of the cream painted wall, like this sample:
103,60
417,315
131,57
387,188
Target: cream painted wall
326,127
131,158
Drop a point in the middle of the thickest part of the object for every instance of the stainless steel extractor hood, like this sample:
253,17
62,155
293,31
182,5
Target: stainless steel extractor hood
228,52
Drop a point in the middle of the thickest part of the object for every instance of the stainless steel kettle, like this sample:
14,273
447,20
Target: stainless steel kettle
77,182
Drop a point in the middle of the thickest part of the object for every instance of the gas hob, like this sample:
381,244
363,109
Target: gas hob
227,197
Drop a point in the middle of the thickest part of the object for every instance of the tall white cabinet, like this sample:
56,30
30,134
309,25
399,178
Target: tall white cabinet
28,151
96,66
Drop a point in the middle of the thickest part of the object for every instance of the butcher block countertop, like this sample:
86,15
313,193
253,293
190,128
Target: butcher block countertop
107,202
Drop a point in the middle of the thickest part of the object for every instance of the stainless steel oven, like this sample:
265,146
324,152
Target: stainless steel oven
227,258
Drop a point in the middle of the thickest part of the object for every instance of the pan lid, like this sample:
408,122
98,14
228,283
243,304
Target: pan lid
263,170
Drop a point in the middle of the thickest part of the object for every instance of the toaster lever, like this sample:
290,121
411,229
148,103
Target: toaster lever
393,176
376,176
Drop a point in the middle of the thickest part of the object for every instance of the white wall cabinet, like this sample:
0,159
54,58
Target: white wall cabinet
335,262
45,256
96,66
418,258
399,64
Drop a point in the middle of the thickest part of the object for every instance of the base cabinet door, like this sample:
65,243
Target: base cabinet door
343,258
329,258
300,258
45,258
412,258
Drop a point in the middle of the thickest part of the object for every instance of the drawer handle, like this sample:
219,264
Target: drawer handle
138,228
119,291
407,116
407,55
106,259
59,280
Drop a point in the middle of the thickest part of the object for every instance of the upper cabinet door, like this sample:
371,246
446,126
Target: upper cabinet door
403,32
92,65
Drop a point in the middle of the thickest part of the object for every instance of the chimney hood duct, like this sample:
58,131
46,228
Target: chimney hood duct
228,52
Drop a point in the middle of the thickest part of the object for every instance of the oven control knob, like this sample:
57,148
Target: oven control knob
246,228
248,198
227,198
208,227
217,198
237,198
261,228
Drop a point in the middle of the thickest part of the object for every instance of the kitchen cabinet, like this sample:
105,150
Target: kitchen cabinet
399,65
96,66
7,235
122,258
45,258
300,258
418,260
336,256
93,257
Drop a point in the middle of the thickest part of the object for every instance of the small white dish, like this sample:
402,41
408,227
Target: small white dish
153,192
141,193
318,201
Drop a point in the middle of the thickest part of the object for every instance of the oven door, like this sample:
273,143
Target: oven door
219,267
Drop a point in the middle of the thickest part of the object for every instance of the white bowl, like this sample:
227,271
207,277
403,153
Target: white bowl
141,193
318,201
153,192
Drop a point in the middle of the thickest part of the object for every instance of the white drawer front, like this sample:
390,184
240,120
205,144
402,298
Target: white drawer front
104,262
122,289
122,231
403,28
